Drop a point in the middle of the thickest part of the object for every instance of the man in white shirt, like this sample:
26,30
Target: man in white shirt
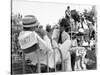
35,43
61,40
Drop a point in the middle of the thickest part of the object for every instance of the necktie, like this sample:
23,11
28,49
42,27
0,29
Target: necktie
60,37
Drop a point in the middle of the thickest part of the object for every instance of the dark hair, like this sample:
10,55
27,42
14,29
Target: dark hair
65,23
68,7
48,28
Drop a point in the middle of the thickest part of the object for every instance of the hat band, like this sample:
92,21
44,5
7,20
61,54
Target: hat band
29,23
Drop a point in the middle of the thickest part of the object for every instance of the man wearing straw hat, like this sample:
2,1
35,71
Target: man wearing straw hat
31,38
36,44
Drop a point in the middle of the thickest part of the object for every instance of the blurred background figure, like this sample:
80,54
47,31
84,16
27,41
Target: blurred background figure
68,13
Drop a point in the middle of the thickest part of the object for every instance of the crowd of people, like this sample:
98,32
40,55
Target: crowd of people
72,41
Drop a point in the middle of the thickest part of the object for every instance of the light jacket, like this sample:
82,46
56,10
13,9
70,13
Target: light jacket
66,42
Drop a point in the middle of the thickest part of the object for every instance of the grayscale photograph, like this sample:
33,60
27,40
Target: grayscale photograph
49,37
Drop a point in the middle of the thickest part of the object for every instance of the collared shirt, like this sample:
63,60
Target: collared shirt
64,35
65,45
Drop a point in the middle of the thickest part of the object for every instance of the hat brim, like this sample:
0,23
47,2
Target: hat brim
32,25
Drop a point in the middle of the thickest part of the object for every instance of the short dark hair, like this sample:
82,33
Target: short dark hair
68,7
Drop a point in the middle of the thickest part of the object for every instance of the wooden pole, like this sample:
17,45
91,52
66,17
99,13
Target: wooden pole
38,58
54,60
71,30
47,62
23,57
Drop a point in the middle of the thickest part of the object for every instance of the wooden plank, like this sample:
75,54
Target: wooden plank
23,57
47,63
54,60
38,59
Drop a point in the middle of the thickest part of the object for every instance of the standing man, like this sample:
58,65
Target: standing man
61,40
68,13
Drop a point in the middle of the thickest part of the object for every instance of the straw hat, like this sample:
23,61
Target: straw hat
30,21
28,38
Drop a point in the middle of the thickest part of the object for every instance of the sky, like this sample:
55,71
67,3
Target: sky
46,13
